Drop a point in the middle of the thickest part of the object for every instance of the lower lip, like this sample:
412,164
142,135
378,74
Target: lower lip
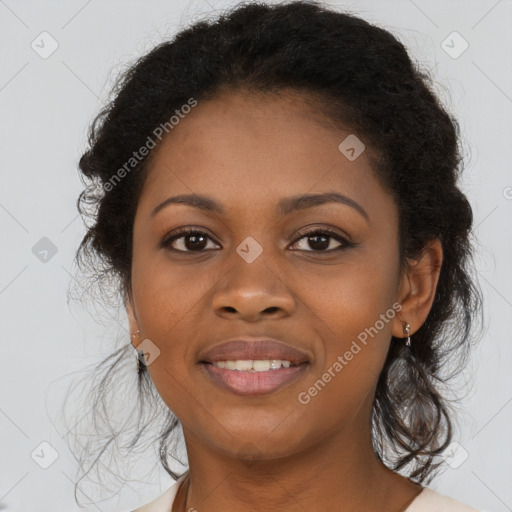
254,383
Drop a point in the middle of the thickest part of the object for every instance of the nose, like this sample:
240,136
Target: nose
252,291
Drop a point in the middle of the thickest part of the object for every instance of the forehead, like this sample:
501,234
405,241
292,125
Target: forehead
253,149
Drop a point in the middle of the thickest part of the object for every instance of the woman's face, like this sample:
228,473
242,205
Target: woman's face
252,271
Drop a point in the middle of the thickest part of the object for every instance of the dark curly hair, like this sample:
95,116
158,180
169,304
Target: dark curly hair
359,76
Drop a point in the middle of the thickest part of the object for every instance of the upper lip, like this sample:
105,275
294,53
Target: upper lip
255,349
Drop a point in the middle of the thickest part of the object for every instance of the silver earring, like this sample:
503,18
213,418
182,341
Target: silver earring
407,329
139,355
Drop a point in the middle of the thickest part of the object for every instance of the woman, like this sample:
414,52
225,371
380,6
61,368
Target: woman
275,192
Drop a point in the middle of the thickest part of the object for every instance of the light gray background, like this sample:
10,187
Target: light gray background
46,106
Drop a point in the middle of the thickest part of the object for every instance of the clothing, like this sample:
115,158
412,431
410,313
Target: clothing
427,500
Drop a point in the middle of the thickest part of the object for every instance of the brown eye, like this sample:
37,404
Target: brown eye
188,240
320,240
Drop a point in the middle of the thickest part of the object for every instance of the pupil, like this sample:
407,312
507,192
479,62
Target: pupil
314,239
194,244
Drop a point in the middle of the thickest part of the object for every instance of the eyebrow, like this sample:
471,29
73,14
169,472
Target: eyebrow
284,207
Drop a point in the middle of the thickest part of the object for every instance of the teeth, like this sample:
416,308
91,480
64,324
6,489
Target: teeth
263,366
256,366
243,365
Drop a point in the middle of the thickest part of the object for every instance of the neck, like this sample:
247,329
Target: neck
342,470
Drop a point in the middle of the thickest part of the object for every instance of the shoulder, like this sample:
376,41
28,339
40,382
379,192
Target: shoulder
429,500
163,503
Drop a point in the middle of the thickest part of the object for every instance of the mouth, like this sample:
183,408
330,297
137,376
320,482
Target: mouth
254,367
253,378
249,365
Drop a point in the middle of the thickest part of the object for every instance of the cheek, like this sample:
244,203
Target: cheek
346,299
169,302
353,315
165,294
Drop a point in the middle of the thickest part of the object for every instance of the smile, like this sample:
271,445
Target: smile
250,365
253,377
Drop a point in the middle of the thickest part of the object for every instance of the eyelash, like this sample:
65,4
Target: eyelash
331,233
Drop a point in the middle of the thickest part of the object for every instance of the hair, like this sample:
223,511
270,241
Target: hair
359,76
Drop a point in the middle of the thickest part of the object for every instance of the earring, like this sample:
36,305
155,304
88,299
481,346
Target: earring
407,329
139,355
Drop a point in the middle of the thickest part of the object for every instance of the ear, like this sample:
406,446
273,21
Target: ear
132,318
417,288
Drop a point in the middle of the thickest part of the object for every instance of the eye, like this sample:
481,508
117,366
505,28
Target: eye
320,240
195,240
187,240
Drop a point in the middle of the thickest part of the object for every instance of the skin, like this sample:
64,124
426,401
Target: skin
272,452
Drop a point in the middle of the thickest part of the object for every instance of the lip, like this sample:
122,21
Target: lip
249,383
246,383
254,349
